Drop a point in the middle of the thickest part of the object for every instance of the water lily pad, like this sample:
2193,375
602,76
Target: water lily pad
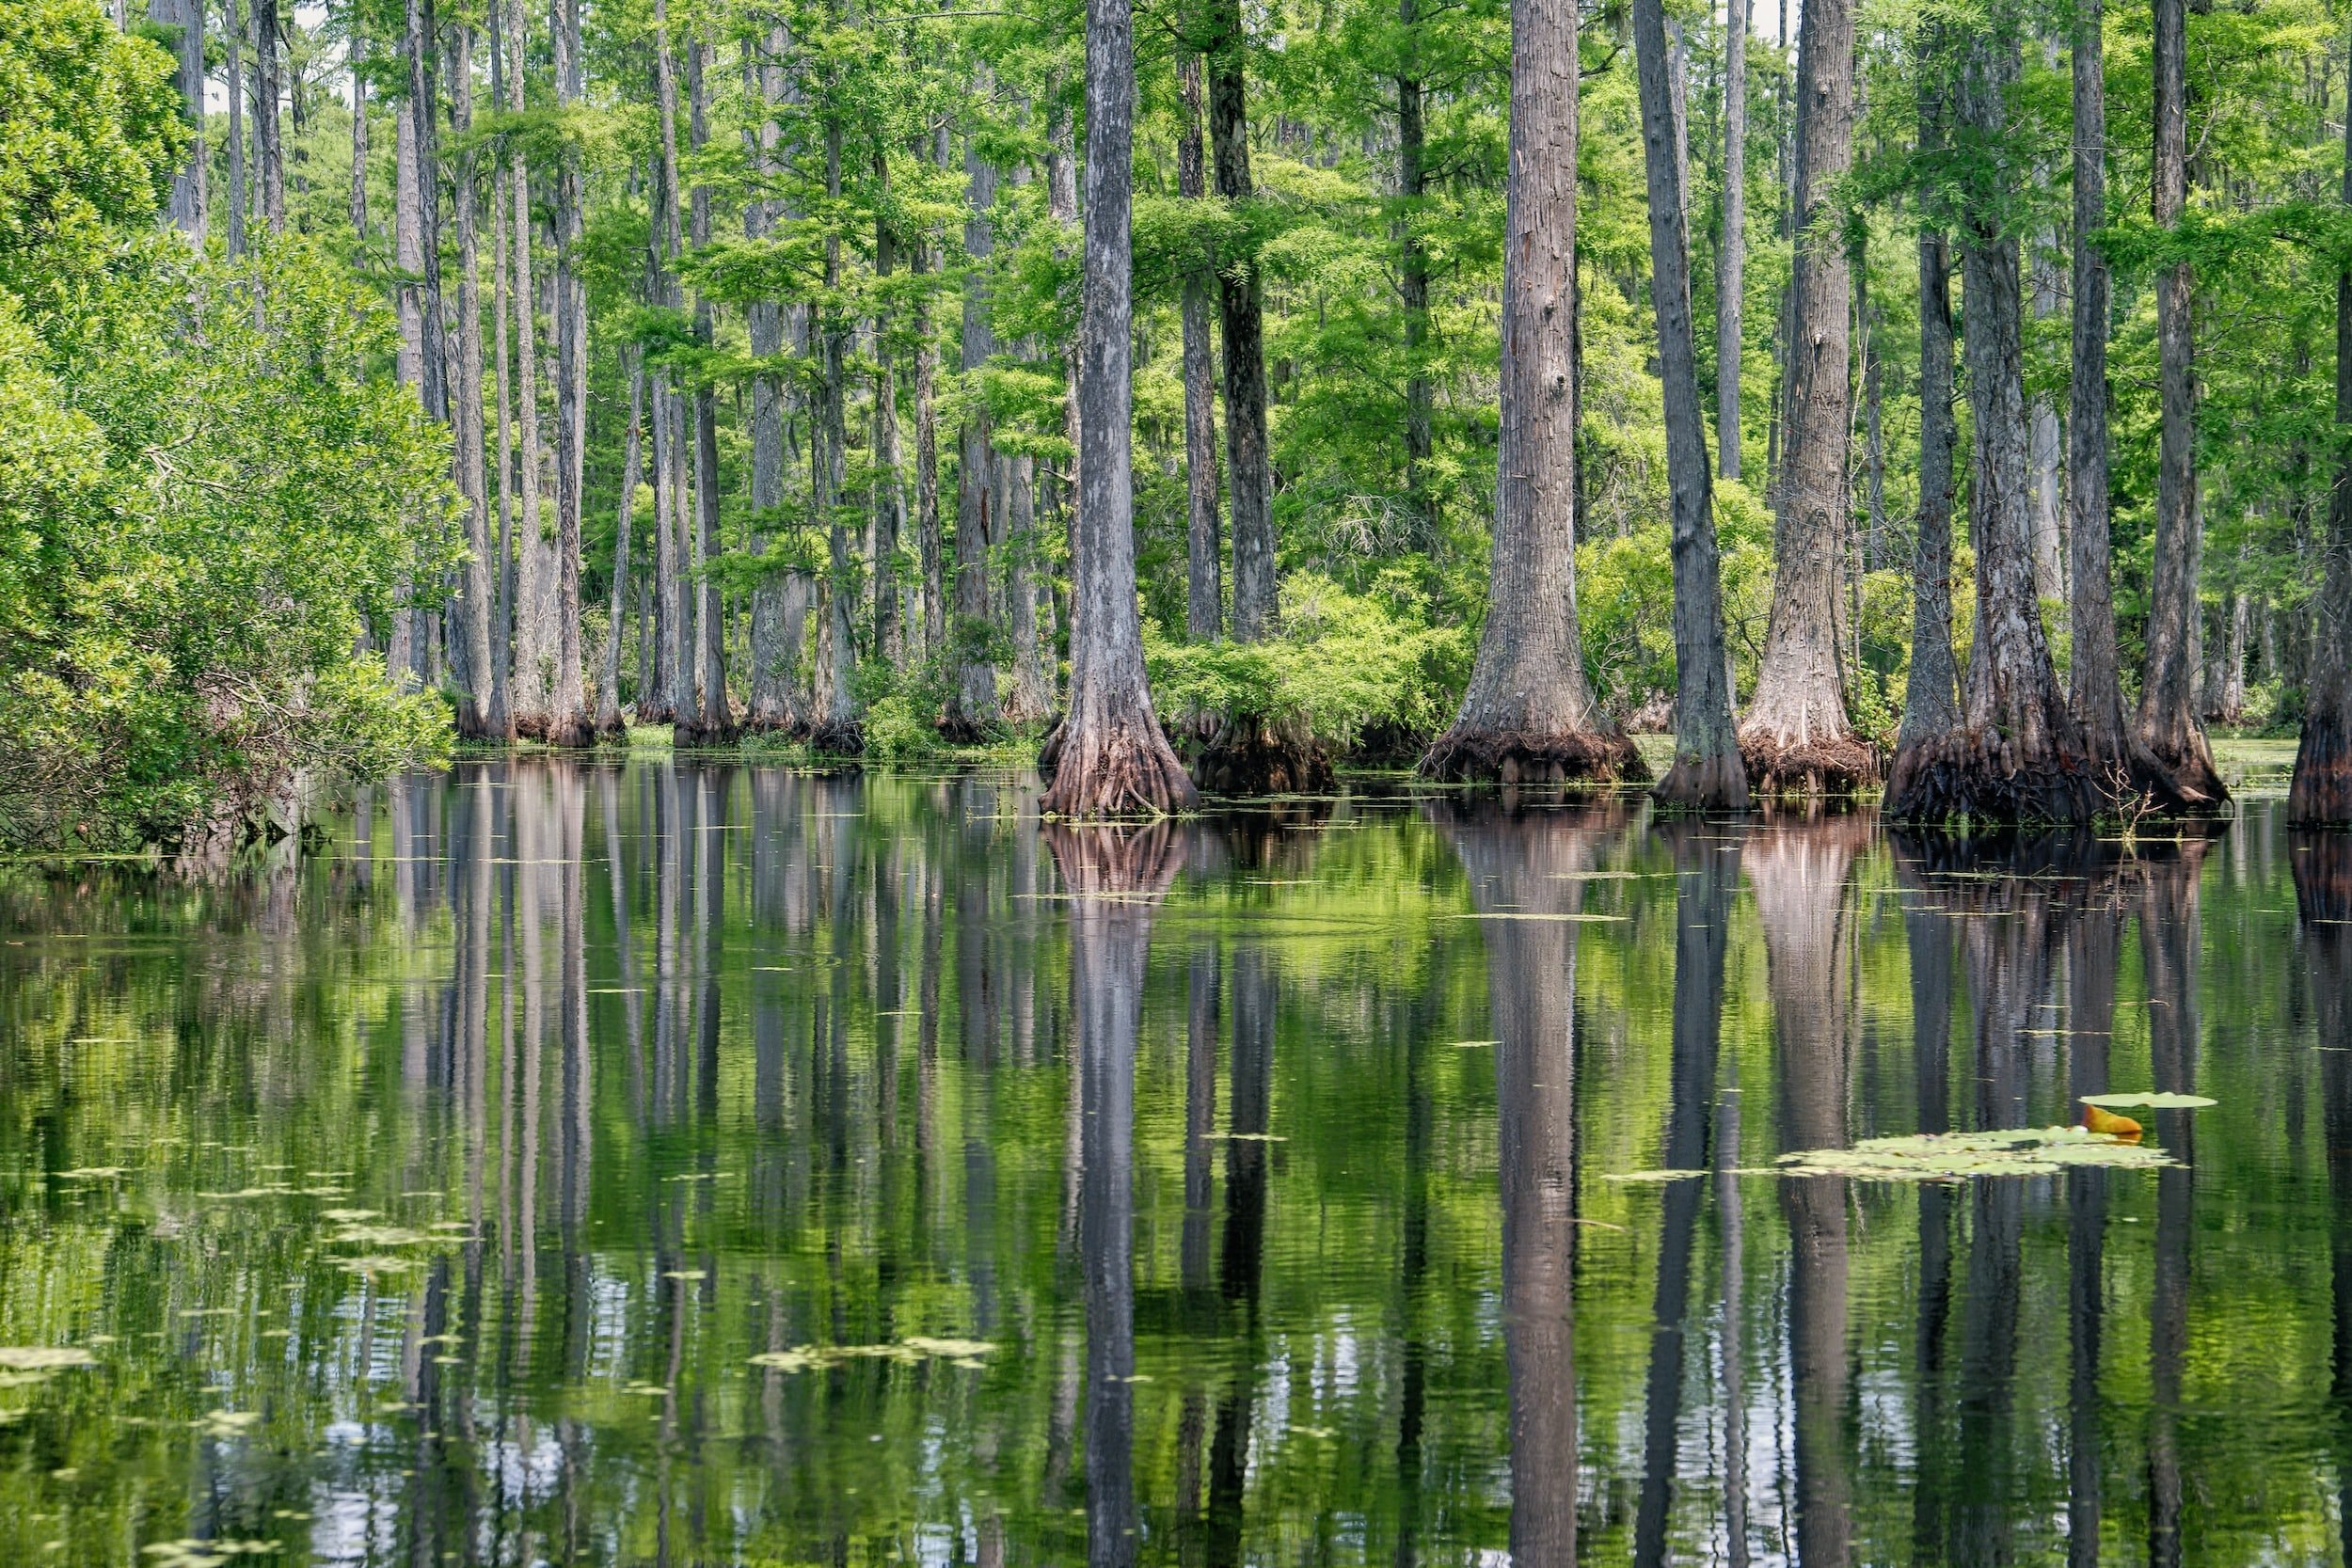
2158,1102
1652,1175
44,1358
1956,1156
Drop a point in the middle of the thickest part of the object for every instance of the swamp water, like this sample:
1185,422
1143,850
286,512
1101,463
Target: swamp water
708,1165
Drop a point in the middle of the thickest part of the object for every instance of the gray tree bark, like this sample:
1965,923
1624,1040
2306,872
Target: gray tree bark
1706,775
2016,754
1413,269
571,722
1932,693
532,691
2321,790
500,718
235,42
1248,461
1204,545
358,200
2167,723
1529,714
1108,757
1731,255
1796,736
890,492
469,612
972,711
836,722
608,720
269,85
713,719
777,702
187,205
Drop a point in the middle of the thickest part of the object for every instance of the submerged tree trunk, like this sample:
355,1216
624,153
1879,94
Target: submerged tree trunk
2322,789
2016,754
1529,714
1108,757
1796,736
1706,773
2167,724
972,711
1204,576
1249,474
1731,255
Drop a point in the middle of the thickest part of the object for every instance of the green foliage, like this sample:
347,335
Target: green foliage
1345,663
203,497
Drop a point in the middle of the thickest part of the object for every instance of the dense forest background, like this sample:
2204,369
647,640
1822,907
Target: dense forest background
708,364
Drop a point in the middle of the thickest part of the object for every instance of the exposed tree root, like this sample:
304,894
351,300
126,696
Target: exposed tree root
1782,765
1117,766
957,730
1514,757
2192,785
1696,782
2322,791
1246,756
845,738
1982,773
688,734
1389,745
575,733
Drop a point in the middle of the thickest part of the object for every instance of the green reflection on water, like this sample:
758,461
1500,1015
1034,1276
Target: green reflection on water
1217,1196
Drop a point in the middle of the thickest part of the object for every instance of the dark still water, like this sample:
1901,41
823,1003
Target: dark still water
683,1166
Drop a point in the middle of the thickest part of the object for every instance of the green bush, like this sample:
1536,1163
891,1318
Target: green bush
1344,663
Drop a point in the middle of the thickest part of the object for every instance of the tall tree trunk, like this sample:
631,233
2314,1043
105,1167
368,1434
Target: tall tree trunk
890,491
1108,757
1249,473
608,720
499,718
1932,693
837,729
1413,267
2168,722
1796,736
1529,713
1706,775
571,722
234,37
186,207
775,700
1731,255
469,626
2016,754
269,142
358,202
531,695
2322,789
927,530
972,698
713,719
1032,698
2046,449
404,656
2097,697
660,703
1204,544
